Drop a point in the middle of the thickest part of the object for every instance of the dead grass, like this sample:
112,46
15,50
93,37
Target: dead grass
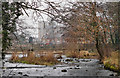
81,54
14,56
72,54
46,59
113,59
112,62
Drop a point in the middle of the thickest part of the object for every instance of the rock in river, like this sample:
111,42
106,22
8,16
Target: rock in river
64,70
20,73
54,67
25,75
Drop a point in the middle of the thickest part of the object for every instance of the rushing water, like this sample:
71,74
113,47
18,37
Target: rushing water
76,67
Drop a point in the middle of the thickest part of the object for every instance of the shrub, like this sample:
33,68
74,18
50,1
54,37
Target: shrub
73,54
47,59
14,56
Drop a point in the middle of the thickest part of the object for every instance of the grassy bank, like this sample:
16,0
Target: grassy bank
111,62
46,59
82,54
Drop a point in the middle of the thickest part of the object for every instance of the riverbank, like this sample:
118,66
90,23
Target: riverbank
111,63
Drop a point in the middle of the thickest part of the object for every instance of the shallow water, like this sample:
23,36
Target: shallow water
77,67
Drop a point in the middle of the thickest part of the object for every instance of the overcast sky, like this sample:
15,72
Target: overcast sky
33,23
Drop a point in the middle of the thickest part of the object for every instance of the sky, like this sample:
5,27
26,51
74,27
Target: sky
34,23
30,22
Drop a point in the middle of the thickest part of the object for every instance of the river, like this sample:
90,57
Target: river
77,67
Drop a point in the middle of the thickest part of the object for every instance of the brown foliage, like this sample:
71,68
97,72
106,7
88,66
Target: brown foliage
44,59
81,54
14,56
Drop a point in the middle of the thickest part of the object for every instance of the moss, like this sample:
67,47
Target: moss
25,62
111,62
111,67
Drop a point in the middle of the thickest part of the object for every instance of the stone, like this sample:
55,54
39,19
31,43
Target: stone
54,67
20,73
115,74
111,75
77,68
69,60
25,75
59,57
64,70
13,73
86,70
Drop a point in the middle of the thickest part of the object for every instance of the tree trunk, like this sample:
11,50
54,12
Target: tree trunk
119,33
111,36
106,48
99,49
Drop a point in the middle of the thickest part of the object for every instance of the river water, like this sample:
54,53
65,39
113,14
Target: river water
77,67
